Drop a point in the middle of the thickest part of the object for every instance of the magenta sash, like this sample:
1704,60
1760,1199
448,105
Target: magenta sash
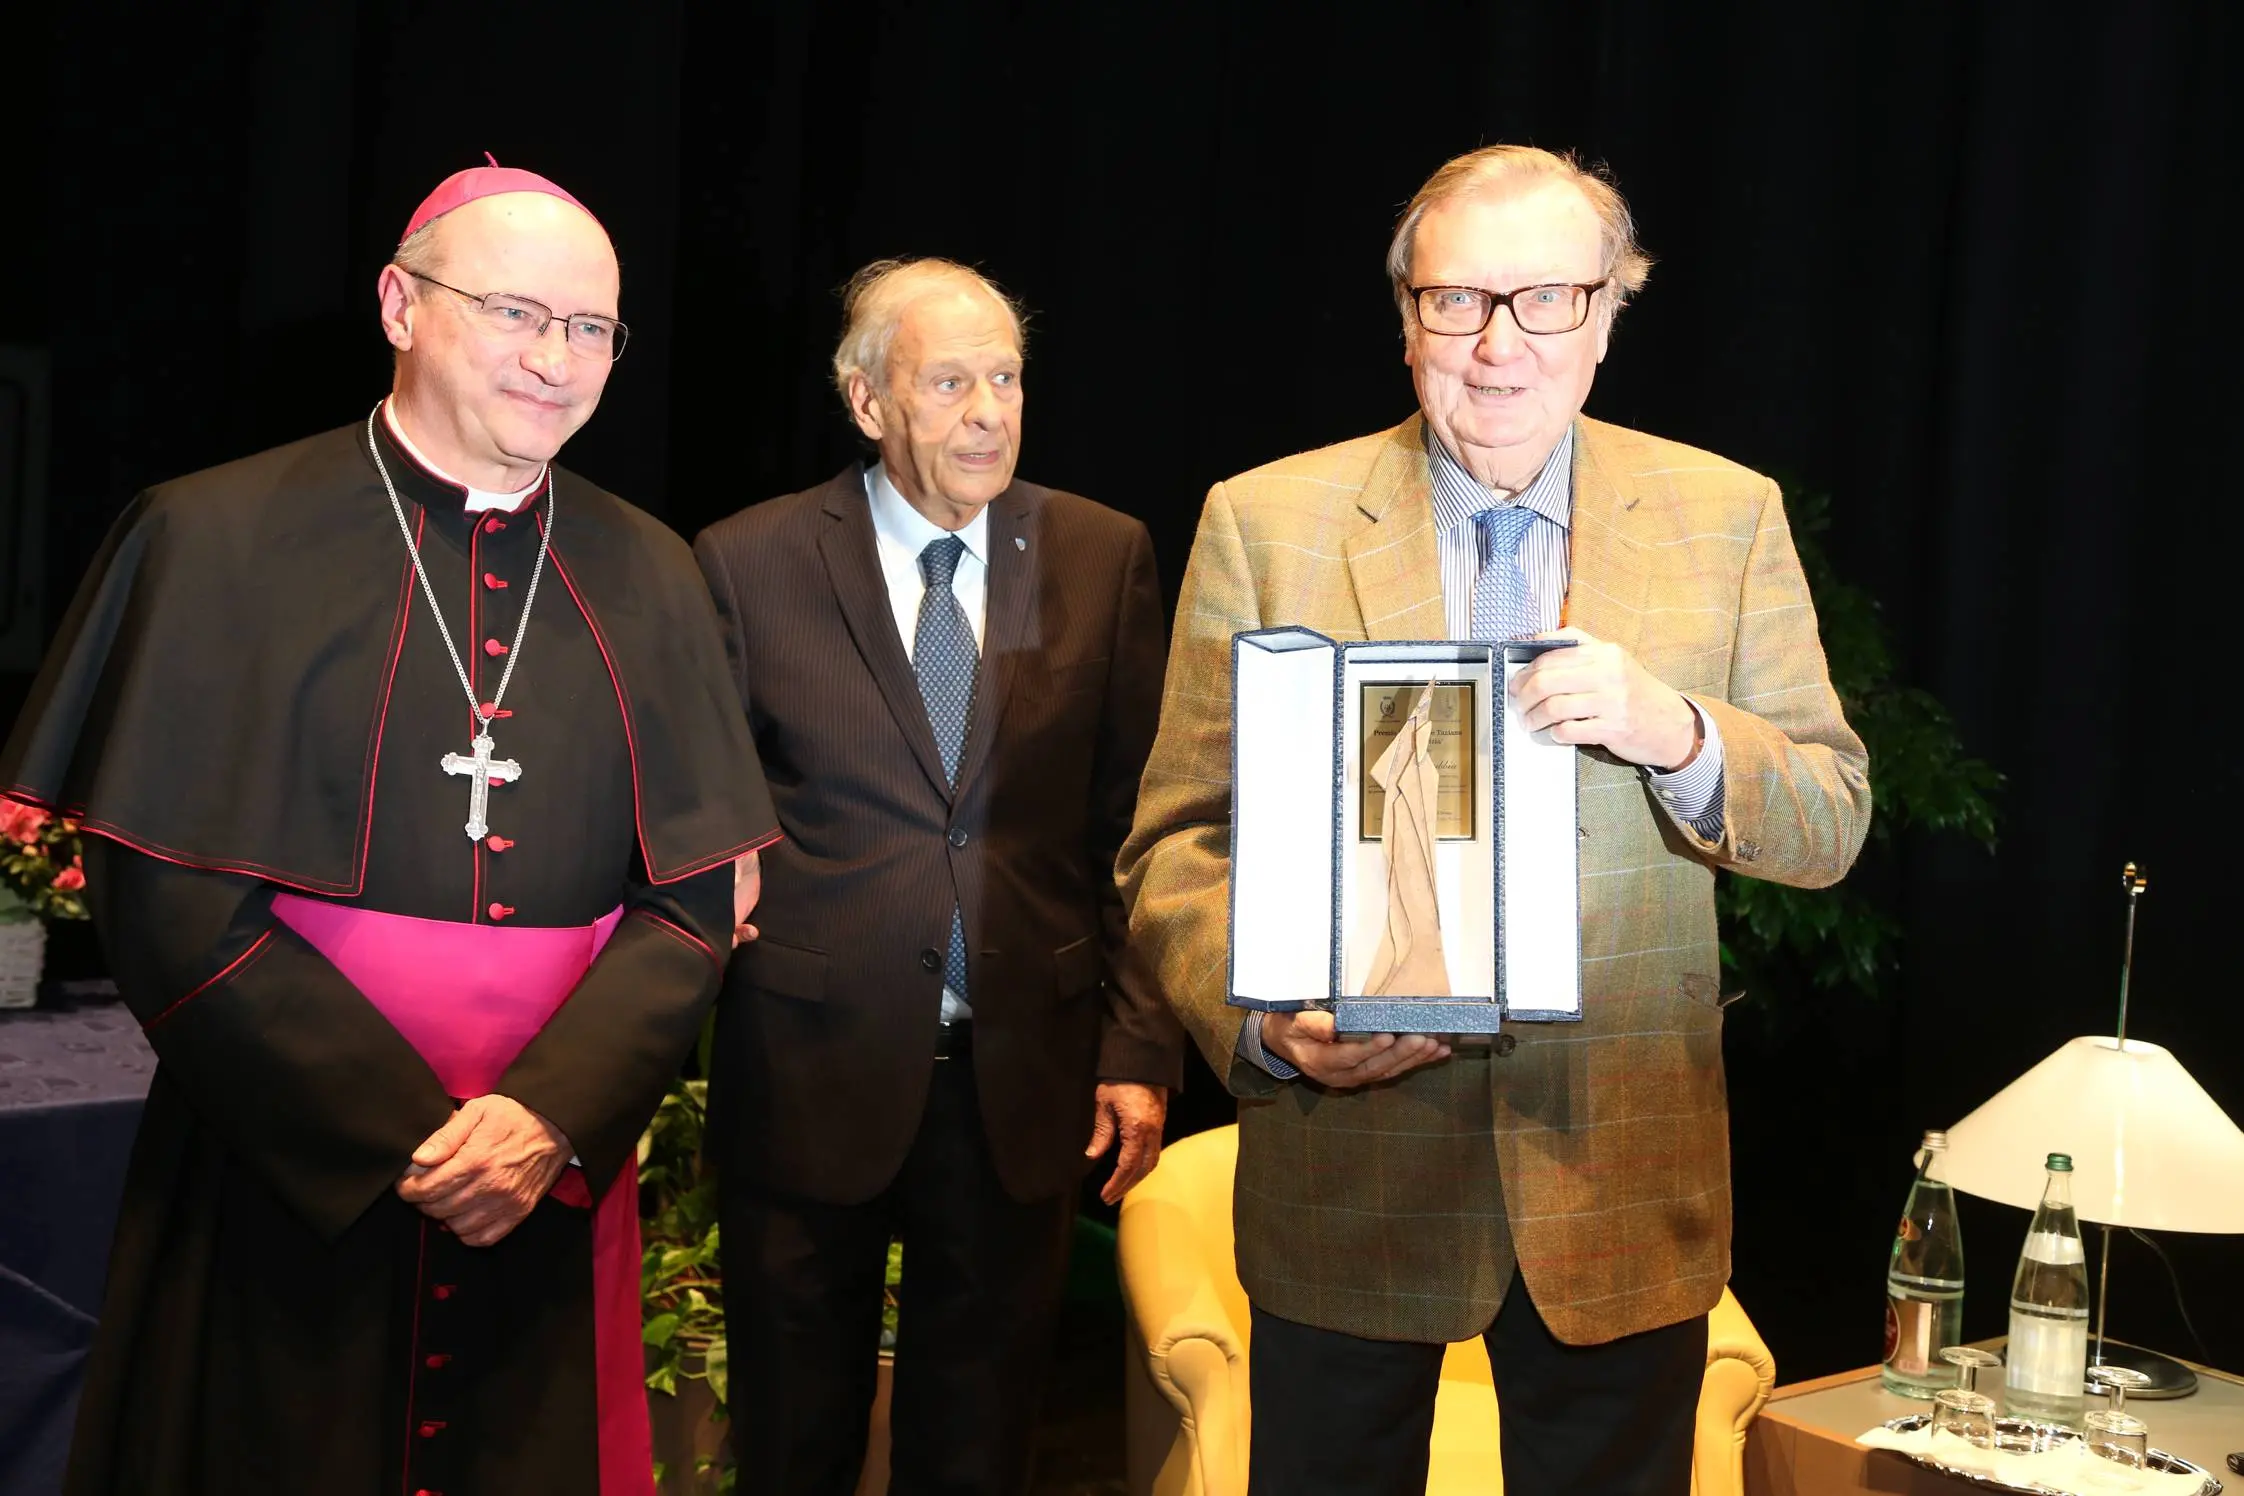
468,998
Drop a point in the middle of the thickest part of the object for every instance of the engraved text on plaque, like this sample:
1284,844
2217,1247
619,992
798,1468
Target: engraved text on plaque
1386,706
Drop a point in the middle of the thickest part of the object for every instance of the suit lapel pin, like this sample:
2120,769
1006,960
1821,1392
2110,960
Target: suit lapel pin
1019,544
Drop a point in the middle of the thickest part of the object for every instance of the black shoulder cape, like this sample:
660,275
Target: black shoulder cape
216,694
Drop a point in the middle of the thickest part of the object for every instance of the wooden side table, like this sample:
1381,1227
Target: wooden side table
1803,1442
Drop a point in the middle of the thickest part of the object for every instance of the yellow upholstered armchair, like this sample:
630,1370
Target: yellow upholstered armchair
1187,1378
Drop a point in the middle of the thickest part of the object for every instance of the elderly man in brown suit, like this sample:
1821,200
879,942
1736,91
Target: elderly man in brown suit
1563,1191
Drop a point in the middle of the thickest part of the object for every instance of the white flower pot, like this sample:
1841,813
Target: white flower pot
23,956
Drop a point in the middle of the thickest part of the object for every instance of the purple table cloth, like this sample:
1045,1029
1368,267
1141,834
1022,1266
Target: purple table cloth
71,1087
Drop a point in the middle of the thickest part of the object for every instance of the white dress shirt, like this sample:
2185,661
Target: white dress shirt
900,533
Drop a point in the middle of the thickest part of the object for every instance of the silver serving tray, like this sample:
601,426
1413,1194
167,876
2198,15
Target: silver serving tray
2159,1459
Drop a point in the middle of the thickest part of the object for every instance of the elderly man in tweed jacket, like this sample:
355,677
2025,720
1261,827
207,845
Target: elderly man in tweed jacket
1563,1191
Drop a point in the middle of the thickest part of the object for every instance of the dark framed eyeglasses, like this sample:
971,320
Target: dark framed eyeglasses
1466,311
588,334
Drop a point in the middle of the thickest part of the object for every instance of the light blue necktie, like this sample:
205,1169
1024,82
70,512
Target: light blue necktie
946,662
1502,608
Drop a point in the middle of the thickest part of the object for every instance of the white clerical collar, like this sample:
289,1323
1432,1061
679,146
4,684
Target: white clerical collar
895,519
478,499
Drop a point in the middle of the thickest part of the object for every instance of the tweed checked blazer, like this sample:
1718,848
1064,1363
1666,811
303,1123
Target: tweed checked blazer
1594,1157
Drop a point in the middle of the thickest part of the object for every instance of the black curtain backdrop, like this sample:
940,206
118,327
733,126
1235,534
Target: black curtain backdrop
1963,267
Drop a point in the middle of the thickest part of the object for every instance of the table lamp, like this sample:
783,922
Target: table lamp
2150,1150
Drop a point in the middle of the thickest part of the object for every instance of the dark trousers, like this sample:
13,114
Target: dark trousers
1335,1415
982,1280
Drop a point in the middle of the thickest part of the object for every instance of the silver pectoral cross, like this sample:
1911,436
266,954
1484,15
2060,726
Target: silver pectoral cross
481,770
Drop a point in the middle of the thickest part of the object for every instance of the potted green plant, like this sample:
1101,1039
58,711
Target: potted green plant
1921,779
42,877
682,1297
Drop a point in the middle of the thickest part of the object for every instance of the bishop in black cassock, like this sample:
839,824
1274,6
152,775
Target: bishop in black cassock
256,716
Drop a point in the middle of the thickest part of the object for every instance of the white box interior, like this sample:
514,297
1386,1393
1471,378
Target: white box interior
1542,918
1464,871
1281,831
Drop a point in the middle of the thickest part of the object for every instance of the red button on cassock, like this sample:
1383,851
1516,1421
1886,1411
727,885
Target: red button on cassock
493,525
442,1291
438,1363
493,648
497,843
495,583
431,1429
495,713
501,911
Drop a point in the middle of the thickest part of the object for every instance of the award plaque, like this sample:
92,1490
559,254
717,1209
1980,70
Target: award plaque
1403,850
1385,706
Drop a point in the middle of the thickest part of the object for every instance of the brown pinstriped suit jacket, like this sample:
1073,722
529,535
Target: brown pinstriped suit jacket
826,1028
1594,1158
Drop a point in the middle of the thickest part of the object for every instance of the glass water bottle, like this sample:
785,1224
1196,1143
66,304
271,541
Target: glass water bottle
2048,1354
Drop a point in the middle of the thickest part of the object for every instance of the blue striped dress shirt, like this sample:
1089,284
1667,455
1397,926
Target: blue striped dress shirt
1694,792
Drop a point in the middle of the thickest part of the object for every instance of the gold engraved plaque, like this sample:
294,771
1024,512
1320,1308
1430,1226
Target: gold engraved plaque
1386,704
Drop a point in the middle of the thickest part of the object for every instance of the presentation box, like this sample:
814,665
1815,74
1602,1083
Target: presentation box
1310,887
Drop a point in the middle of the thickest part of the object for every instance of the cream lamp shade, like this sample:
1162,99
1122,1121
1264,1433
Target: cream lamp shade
2150,1149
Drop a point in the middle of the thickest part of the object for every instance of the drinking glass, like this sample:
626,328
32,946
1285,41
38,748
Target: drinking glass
1969,1361
1961,1412
1968,1416
2113,1432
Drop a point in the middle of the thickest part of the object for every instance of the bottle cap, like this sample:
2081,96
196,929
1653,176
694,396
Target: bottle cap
1935,1138
2060,1163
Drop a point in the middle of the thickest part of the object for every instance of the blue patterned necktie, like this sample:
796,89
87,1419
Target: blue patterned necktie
946,662
1502,608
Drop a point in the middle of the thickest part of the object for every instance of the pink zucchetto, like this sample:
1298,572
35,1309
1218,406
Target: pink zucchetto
463,187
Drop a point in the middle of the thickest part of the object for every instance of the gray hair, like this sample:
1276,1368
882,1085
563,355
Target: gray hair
417,255
873,304
1624,264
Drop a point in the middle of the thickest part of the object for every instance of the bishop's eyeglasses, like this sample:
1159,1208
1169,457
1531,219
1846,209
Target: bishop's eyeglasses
1465,311
588,334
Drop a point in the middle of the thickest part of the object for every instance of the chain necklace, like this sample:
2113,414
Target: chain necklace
478,764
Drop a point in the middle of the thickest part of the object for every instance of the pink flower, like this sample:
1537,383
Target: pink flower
70,879
22,823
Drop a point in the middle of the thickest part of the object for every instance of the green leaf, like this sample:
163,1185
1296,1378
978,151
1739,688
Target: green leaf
717,1368
659,1329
